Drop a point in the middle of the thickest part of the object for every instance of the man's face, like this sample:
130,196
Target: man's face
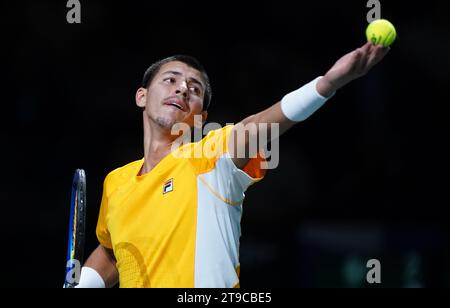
175,95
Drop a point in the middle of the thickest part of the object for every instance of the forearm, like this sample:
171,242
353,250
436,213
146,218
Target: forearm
326,87
272,116
102,261
294,108
299,105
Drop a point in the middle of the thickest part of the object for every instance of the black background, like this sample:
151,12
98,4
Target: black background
366,177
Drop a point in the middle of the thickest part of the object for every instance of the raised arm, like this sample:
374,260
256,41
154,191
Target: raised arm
299,105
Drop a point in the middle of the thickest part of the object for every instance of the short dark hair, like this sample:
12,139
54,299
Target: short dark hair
151,72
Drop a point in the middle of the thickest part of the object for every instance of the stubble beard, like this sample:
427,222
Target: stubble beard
165,122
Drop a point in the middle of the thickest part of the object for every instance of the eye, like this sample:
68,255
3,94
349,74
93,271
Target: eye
195,90
169,80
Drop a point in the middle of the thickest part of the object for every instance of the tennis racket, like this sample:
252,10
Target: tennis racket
77,224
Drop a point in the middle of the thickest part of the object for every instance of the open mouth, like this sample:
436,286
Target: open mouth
175,105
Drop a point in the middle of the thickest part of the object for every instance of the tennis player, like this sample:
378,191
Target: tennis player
172,220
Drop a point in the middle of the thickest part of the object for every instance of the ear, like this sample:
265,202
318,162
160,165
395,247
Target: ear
141,97
204,116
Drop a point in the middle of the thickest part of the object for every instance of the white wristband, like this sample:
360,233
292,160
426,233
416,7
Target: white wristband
301,104
90,279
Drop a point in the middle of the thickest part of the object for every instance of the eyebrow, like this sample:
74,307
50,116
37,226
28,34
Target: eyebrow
180,74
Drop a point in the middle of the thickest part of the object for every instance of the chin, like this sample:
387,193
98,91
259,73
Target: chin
166,122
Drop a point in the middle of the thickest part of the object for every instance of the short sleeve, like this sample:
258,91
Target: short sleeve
219,173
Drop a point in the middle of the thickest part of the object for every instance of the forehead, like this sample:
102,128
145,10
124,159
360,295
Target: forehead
182,68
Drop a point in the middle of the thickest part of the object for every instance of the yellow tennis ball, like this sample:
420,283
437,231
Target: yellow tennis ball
381,32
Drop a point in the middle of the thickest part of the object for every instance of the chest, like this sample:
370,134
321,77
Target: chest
155,206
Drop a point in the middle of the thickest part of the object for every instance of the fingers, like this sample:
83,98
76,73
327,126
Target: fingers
366,48
385,51
376,55
359,59
366,45
368,56
364,54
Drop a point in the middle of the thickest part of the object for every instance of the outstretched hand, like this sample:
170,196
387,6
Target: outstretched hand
350,67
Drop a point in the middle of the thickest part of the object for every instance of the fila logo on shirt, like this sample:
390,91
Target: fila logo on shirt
168,186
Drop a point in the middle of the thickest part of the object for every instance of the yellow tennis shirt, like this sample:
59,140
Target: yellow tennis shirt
179,224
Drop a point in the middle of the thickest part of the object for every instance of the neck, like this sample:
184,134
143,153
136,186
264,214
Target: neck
157,144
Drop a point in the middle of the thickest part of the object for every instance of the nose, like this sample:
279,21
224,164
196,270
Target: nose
183,89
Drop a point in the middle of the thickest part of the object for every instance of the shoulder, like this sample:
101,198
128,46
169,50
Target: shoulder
122,174
216,140
219,132
204,154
